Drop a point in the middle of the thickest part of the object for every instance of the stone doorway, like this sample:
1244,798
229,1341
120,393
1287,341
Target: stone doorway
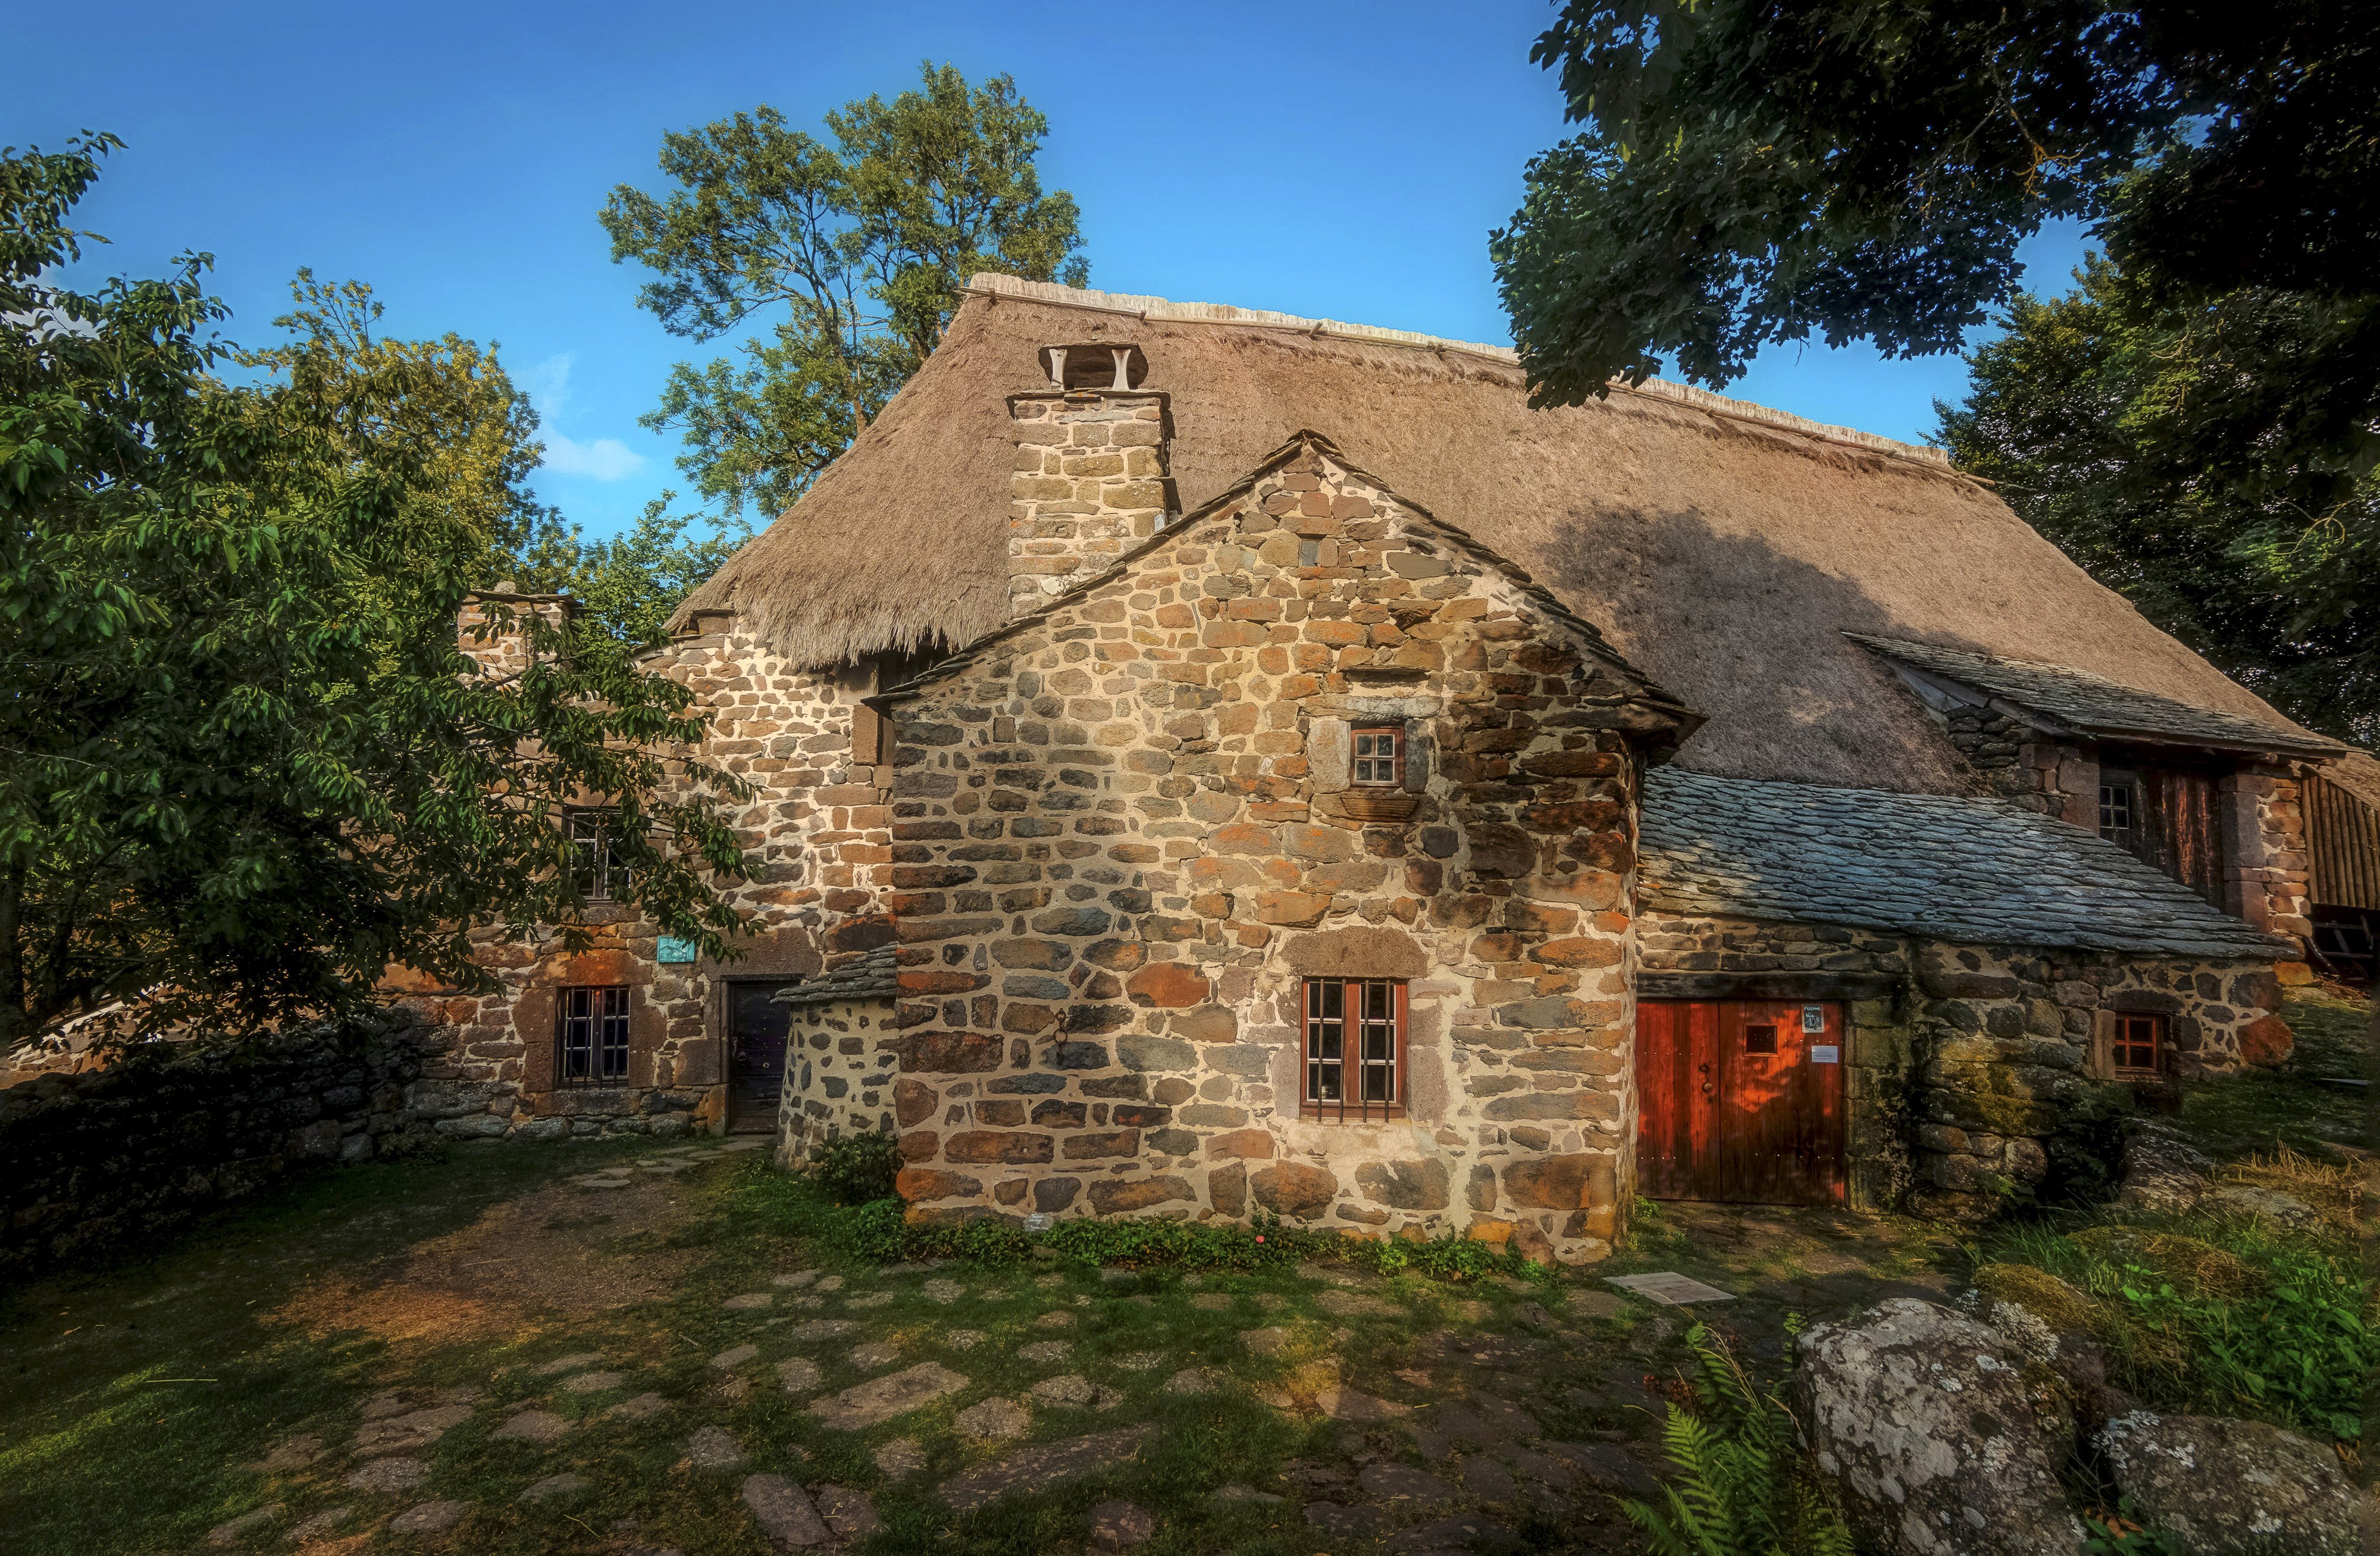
1740,1101
757,1025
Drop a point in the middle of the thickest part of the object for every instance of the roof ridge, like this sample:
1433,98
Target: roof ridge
992,283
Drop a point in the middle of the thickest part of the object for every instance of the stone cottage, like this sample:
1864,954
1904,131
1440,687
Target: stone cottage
1211,762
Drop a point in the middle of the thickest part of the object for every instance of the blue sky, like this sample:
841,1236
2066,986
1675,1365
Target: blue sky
1347,160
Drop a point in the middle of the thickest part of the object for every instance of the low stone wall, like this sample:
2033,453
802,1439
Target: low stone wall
2009,1093
842,1074
1972,1068
110,1155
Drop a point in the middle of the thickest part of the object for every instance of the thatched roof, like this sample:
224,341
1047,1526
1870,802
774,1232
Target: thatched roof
1670,716
1724,549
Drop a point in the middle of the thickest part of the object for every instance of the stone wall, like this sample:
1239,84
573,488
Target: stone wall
817,822
98,1159
2267,877
842,1068
2009,1087
1971,1066
1123,833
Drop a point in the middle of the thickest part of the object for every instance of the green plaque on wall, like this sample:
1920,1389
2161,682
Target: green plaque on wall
675,949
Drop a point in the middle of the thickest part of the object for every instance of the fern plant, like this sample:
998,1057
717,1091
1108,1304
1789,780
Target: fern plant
1744,1486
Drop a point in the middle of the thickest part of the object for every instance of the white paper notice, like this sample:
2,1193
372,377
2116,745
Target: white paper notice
1826,1053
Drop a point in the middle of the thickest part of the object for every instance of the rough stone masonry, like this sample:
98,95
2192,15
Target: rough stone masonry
1124,831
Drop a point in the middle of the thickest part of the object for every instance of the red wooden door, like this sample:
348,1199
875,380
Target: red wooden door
1739,1101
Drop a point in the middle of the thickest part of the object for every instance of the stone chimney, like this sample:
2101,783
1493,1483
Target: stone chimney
501,648
1092,475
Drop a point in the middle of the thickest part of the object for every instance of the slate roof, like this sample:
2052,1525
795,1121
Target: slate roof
1987,871
2090,704
871,978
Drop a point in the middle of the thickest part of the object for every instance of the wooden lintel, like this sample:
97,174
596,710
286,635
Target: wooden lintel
1764,986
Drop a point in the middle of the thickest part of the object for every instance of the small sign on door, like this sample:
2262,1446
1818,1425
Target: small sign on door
1826,1053
1813,1019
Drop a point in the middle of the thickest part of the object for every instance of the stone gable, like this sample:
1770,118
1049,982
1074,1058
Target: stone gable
1123,832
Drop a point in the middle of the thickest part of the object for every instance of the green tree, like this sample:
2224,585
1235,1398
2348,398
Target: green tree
852,253
2201,459
244,764
461,435
627,587
443,417
1751,172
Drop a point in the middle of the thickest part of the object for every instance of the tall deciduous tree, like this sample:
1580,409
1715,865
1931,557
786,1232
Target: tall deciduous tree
2205,460
244,764
851,252
1752,171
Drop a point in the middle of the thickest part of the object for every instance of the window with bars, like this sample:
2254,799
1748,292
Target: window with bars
1355,1049
2135,1045
1379,756
2116,812
591,1036
604,874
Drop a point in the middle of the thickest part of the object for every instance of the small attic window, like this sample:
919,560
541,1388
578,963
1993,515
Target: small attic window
1094,365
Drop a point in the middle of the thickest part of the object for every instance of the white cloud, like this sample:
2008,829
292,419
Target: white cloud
603,459
547,387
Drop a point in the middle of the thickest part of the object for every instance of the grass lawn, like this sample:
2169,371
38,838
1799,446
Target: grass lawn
652,1325
610,1348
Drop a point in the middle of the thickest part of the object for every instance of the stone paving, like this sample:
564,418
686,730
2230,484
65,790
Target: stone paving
1399,1415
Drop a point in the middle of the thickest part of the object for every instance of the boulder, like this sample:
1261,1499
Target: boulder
2232,1488
2162,1170
1941,1438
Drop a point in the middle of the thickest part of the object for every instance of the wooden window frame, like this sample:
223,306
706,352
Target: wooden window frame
591,831
2126,1032
599,1029
1325,1004
1394,734
2119,810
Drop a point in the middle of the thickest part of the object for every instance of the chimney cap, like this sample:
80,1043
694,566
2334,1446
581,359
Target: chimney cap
1095,364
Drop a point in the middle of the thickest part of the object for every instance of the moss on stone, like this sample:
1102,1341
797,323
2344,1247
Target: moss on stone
2065,1309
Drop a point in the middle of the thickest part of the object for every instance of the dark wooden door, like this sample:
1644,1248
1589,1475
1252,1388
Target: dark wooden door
756,1028
1739,1101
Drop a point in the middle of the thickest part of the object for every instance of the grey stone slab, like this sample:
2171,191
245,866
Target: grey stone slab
593,1382
429,1518
234,1531
570,1363
397,1474
640,1407
783,1512
714,1448
322,1524
415,1429
881,1399
799,1375
1042,1466
552,1486
850,1513
541,1427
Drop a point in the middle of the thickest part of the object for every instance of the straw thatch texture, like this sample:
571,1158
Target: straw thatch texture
1724,549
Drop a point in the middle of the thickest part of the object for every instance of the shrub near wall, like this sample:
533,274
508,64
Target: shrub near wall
112,1155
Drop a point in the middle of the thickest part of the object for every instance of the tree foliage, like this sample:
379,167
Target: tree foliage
1753,172
244,764
850,250
2212,461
